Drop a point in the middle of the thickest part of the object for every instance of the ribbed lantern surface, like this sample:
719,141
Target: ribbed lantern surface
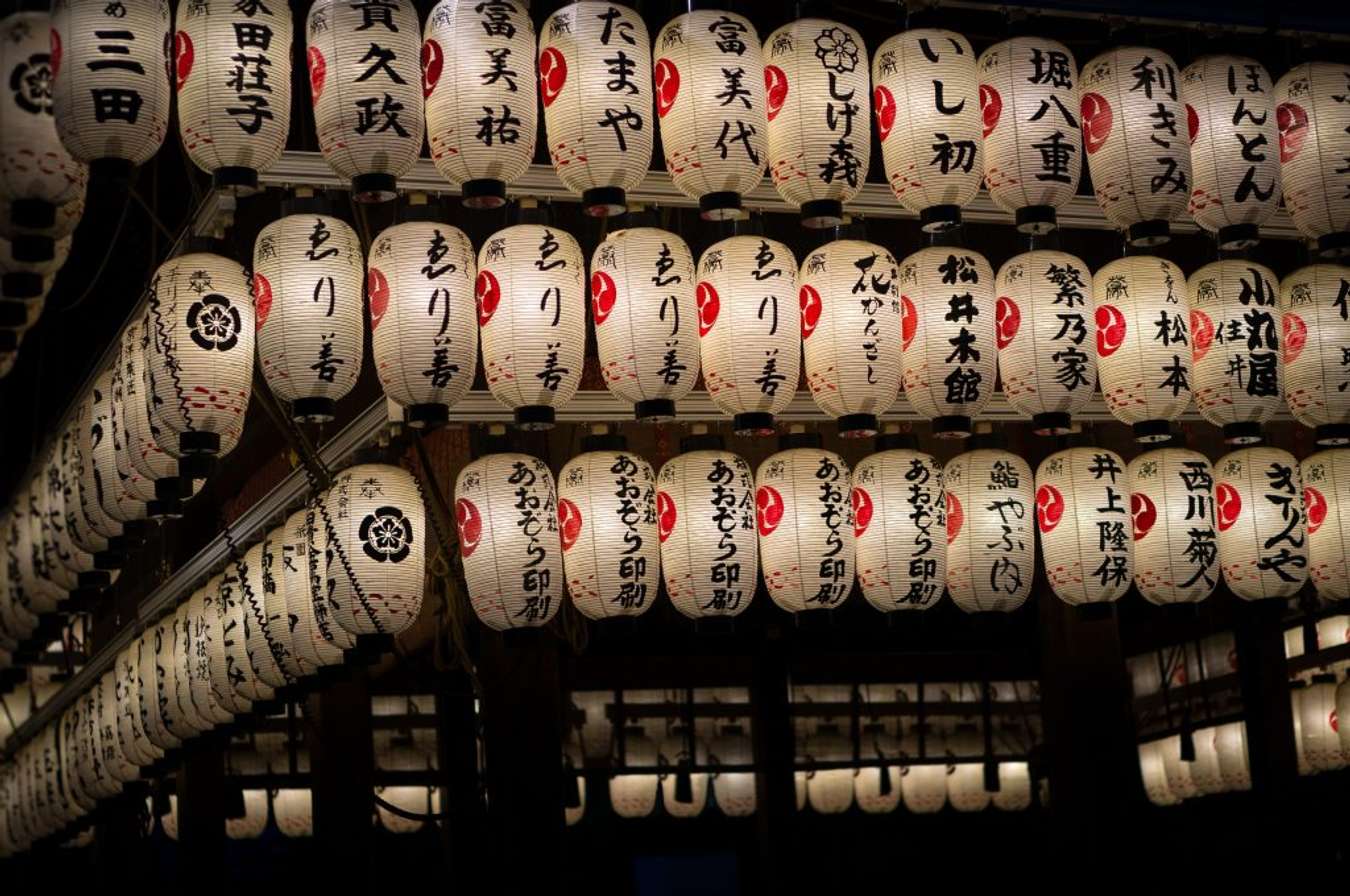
318,639
1258,505
634,795
264,641
236,666
733,791
805,520
1176,551
202,628
1314,122
199,719
923,787
1315,320
222,631
829,791
1083,515
1326,503
129,392
900,527
103,483
965,771
151,694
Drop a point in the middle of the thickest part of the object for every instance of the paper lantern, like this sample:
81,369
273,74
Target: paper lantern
965,770
532,316
1314,122
219,632
1342,712
633,795
131,736
253,822
150,695
1135,134
642,279
110,80
595,81
33,568
1155,776
169,821
199,718
1231,121
423,334
1230,742
232,68
105,483
734,791
478,75
201,623
1258,504
819,112
178,718
368,117
317,638
805,520
829,791
1317,709
1047,360
100,532
293,810
1014,787
674,753
877,787
376,525
115,764
947,337
900,526
1033,154
76,566
1083,514
235,671
851,332
923,785
262,632
1296,692
1235,328
1316,379
25,280
1326,501
506,511
307,272
152,473
1172,509
991,550
1176,770
17,617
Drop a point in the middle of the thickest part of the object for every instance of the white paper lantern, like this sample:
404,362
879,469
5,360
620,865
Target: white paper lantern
1314,122
101,532
16,612
76,566
232,67
1014,787
805,520
1083,514
1258,504
235,672
376,524
1342,712
1326,501
923,786
1033,153
829,791
947,314
1047,358
965,771
1172,509
363,82
877,788
734,791
900,525
1176,770
307,273
135,745
507,516
177,718
424,335
850,297
149,692
1230,742
709,75
217,640
991,548
254,820
643,304
478,75
110,80
1136,140
634,795
1235,332
819,114
595,81
293,810
130,393
37,586
1155,775
202,626
1321,740
1234,136
199,719
117,765
1316,379
263,633
112,492
532,317
318,639
674,752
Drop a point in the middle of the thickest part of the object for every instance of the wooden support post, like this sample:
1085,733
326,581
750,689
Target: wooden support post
1263,674
774,752
462,802
341,755
201,816
120,853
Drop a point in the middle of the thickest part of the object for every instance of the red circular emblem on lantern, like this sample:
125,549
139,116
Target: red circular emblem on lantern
1110,330
488,293
665,515
182,56
377,288
768,509
708,306
603,296
1144,514
1049,508
862,511
1007,319
955,517
56,52
318,72
1192,123
1295,337
909,322
1202,333
811,307
667,80
991,106
469,522
433,62
1293,123
775,89
262,300
569,522
552,74
1228,505
1316,507
1096,112
883,105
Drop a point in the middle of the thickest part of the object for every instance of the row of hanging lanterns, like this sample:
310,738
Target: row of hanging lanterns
1220,764
1317,706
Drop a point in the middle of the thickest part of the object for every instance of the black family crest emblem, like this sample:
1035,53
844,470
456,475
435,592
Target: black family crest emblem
214,323
31,81
386,535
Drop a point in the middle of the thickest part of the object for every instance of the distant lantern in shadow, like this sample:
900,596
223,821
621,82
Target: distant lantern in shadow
965,770
634,795
676,760
877,787
1315,326
733,791
1258,505
1083,516
805,519
1176,549
829,791
1314,123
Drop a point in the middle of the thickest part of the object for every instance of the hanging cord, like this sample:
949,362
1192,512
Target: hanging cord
107,256
315,470
404,813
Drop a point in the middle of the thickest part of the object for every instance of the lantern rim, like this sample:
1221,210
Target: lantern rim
1146,234
1244,432
940,218
604,202
858,426
1053,423
1037,220
426,416
36,213
196,466
374,187
109,559
483,193
207,443
535,417
1332,434
654,410
164,509
1152,431
1334,245
952,426
822,214
1239,236
753,423
313,409
722,205
237,179
13,314
33,247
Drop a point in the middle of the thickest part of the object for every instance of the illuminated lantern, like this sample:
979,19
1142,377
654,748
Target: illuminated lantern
948,326
1258,504
1206,774
674,753
423,333
376,520
900,526
24,284
178,720
1326,501
478,75
104,481
1136,139
819,112
1321,740
633,795
17,618
1014,787
181,704
1047,359
877,787
642,302
1314,123
232,68
531,297
317,639
307,272
106,709
1155,775
131,428
1235,331
131,735
1315,320
507,516
368,115
262,633
418,799
1230,742
805,520
1296,691
705,523
293,811
734,791
1231,121
110,81
235,670
927,103
991,548
851,330
923,785
1033,153
36,592
1342,712
253,822
595,63
219,633
74,562
751,355
201,621
829,791
1143,344
1083,514
965,770
149,691
1172,507
1176,770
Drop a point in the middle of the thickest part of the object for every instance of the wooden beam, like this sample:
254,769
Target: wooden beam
341,755
201,817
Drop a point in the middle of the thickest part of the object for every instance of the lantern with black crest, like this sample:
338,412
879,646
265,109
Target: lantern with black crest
1315,324
1172,510
1314,123
1258,505
1083,516
805,521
